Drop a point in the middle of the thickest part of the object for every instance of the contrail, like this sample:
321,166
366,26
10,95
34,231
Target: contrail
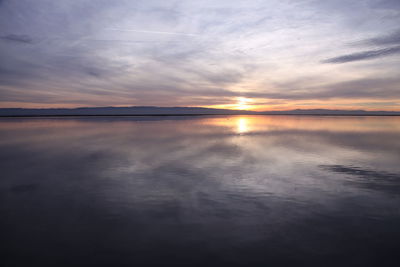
156,32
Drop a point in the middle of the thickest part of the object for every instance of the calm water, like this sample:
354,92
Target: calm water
211,191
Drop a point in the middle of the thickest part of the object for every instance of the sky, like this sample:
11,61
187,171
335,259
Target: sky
256,55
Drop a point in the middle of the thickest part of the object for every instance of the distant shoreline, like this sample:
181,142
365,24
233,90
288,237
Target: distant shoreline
191,115
176,111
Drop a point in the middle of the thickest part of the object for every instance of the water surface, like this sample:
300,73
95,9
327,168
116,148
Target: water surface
206,191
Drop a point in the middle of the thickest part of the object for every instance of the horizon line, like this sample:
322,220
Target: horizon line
201,107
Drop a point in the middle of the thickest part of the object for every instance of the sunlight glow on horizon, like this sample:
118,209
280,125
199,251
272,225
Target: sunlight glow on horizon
242,103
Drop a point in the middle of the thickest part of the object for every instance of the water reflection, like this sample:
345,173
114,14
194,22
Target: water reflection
242,125
217,190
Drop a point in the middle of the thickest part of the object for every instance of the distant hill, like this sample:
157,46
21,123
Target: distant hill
166,111
331,112
119,111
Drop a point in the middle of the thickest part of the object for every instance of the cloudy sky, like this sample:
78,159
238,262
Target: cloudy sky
262,55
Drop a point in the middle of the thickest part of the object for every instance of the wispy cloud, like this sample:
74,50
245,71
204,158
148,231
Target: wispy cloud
370,54
153,32
390,39
389,45
16,38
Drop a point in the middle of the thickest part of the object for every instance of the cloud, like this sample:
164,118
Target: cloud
153,32
390,44
367,88
365,55
387,4
16,38
390,39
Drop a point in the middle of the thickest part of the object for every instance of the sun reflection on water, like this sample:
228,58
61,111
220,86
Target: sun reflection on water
242,126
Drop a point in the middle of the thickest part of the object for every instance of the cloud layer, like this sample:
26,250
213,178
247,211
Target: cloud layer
370,54
190,53
390,44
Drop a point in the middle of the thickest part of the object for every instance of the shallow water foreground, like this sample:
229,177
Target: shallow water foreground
207,191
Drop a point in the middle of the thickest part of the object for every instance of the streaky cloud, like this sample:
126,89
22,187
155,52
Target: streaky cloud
17,38
365,55
153,32
390,39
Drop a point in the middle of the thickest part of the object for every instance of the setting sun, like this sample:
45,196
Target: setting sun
242,103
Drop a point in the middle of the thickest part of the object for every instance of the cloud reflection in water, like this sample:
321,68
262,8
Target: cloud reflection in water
217,190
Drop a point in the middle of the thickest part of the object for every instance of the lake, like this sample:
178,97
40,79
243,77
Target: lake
200,190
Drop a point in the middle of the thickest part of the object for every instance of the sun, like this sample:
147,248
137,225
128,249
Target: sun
242,103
